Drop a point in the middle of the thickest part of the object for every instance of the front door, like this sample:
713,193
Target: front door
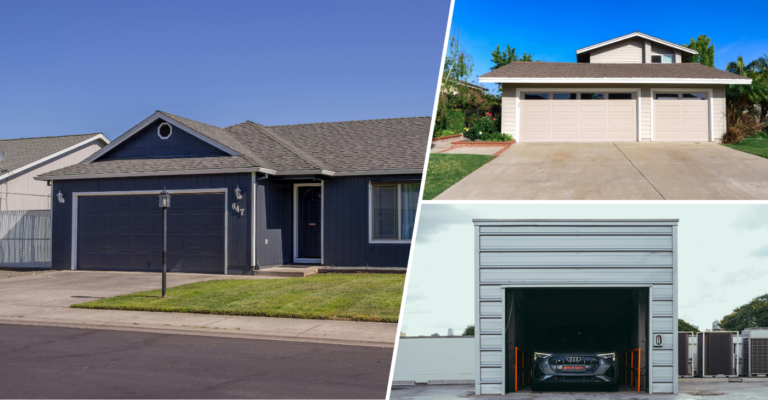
309,223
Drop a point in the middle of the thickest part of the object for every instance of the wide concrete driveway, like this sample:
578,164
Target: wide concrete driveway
616,171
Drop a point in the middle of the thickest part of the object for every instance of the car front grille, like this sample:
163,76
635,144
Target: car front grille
590,362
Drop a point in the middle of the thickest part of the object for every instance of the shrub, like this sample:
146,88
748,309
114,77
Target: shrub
444,132
740,125
481,127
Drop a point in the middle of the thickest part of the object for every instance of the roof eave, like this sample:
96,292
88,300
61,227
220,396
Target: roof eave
678,81
41,161
155,173
636,34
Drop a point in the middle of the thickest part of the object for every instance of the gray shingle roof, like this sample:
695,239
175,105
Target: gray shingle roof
378,144
352,146
153,165
21,152
528,69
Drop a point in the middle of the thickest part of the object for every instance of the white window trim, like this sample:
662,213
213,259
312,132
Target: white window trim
688,90
371,240
169,135
638,96
296,258
77,195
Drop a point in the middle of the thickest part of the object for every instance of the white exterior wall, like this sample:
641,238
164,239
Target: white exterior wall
574,253
424,359
509,104
23,192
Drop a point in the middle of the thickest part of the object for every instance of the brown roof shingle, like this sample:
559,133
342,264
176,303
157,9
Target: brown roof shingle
528,69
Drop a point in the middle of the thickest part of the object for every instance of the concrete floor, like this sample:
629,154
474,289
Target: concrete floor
45,299
616,171
694,388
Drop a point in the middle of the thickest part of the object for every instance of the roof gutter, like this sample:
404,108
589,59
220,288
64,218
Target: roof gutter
670,81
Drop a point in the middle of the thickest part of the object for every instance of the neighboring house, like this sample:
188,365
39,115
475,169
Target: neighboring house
337,194
27,158
632,88
471,88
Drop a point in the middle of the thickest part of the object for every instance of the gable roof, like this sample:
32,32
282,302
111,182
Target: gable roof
21,154
561,72
640,35
384,146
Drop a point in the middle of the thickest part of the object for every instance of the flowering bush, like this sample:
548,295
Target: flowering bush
481,127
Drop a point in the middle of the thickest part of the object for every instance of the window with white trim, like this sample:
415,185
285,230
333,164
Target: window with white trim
393,210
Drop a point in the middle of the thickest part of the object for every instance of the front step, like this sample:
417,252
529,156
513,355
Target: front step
289,271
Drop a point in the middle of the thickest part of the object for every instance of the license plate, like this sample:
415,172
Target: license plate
574,367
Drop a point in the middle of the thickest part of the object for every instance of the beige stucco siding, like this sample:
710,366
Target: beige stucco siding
23,192
628,51
509,102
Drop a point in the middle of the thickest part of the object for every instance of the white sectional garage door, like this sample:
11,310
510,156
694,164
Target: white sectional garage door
680,117
578,117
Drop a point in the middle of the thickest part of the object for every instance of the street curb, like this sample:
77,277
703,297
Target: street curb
192,331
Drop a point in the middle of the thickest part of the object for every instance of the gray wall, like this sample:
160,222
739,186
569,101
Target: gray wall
573,253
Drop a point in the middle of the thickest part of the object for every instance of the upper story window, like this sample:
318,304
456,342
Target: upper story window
663,59
393,211
164,130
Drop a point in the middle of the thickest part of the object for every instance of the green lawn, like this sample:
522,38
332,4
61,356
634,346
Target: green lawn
356,297
444,170
756,144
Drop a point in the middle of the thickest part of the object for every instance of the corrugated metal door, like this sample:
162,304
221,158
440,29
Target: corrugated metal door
124,233
577,120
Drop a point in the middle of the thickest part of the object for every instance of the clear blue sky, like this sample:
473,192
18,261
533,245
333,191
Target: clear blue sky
553,30
73,67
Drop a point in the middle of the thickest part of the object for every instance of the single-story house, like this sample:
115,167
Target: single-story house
243,197
632,88
28,157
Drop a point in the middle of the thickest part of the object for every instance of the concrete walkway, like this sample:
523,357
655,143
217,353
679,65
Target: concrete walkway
44,299
616,171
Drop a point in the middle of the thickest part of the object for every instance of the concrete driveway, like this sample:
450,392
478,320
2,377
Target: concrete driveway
616,171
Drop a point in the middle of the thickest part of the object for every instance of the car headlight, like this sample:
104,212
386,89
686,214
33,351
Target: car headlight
608,356
541,356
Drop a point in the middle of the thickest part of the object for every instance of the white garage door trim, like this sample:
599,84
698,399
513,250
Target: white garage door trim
561,90
77,195
709,99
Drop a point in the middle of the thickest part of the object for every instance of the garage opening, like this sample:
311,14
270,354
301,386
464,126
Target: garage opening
578,116
680,116
125,233
591,339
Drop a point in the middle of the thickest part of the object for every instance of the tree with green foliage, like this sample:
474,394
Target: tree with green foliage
752,314
706,51
744,102
501,58
469,331
684,326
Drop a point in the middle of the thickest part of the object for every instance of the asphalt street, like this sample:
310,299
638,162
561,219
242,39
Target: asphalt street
45,362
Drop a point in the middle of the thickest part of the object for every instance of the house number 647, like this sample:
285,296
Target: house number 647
238,209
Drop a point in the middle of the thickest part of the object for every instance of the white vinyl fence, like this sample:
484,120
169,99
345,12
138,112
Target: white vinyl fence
25,239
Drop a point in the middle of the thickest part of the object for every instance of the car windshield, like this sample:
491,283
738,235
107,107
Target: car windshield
575,335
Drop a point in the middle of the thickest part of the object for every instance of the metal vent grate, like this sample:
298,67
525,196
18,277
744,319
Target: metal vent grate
759,355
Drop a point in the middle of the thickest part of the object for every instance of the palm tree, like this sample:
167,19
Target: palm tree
743,98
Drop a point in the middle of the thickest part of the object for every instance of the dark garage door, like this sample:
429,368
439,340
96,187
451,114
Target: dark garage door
125,233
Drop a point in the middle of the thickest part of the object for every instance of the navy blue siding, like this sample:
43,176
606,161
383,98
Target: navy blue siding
239,244
346,226
146,144
274,222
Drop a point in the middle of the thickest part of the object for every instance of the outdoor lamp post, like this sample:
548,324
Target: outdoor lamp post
165,202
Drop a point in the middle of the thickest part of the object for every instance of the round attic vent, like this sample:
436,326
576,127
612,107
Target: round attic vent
164,130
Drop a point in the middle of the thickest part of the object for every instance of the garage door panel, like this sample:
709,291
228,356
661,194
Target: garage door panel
577,120
561,135
681,120
125,233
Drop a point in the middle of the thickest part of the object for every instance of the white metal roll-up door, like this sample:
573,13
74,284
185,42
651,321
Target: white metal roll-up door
571,117
680,117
